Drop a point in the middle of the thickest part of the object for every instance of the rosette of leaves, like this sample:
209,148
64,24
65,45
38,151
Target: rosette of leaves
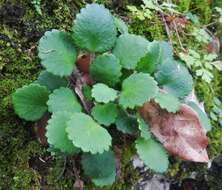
86,102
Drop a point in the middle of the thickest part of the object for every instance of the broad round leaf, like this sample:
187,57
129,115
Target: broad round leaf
56,132
137,89
130,49
125,124
103,93
51,81
167,101
105,114
106,69
30,101
86,134
63,99
149,62
174,78
57,53
204,120
144,128
153,154
94,29
101,168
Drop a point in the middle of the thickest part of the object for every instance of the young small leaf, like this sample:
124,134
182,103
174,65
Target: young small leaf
120,25
57,53
30,101
137,89
130,49
105,114
63,99
94,29
106,69
51,81
144,128
149,62
167,101
56,134
86,134
101,168
174,78
153,154
103,93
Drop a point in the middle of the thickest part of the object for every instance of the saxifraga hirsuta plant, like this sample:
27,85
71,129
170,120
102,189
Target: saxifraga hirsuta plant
98,77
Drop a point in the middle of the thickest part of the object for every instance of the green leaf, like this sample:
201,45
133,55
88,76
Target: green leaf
56,132
217,101
86,134
126,124
55,151
213,116
144,129
120,25
167,101
94,29
167,50
63,99
106,69
30,101
204,120
174,78
101,168
105,114
149,63
137,89
153,154
217,110
130,49
51,81
105,181
57,53
217,65
103,93
87,92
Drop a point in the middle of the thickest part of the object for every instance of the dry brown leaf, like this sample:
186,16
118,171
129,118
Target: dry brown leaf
40,130
83,63
214,46
181,133
79,184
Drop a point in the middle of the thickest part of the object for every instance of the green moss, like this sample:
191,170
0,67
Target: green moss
183,5
151,29
25,179
204,10
215,142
